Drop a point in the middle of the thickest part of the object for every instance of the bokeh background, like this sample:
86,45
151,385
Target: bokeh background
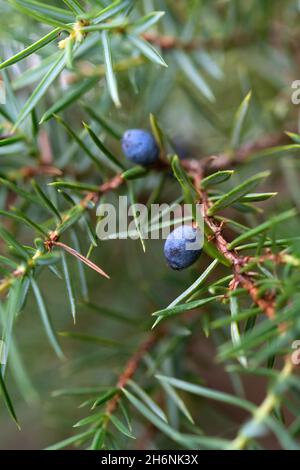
241,46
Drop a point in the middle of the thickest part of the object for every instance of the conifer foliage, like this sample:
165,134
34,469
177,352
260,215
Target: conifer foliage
140,356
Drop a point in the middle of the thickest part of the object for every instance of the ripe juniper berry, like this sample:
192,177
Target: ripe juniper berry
139,146
182,247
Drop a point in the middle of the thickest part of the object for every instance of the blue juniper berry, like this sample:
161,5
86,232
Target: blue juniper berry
182,247
140,147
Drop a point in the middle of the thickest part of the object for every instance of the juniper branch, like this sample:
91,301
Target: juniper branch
129,371
52,239
266,304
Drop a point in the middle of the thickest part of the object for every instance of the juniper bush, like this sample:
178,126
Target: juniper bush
211,80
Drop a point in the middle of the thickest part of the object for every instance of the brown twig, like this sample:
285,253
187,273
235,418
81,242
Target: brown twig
265,303
46,155
168,42
28,172
129,371
109,185
224,161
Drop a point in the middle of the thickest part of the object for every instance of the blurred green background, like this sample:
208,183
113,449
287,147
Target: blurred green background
242,46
